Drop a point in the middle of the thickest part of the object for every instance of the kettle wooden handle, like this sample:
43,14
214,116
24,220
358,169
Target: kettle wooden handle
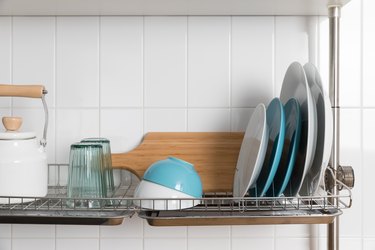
32,91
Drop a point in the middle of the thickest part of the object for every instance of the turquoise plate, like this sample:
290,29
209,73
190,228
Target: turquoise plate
292,137
276,127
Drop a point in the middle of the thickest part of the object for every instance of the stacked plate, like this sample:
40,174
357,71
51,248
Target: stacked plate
287,145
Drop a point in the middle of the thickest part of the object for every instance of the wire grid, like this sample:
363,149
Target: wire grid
55,203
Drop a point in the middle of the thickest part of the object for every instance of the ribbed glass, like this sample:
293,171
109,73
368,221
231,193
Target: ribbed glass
108,173
86,179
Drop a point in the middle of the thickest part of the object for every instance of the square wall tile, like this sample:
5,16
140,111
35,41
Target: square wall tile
5,244
164,232
252,60
209,232
209,244
165,120
121,244
350,243
351,155
5,56
208,120
294,231
350,55
5,231
121,61
77,231
72,125
81,244
259,243
33,231
165,61
77,61
368,172
164,244
123,127
368,53
34,56
130,228
33,244
294,243
209,61
240,118
33,120
256,231
369,244
291,44
322,243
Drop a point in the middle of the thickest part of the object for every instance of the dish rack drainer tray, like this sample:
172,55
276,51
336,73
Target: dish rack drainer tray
214,209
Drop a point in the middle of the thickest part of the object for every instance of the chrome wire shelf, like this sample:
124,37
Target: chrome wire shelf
213,208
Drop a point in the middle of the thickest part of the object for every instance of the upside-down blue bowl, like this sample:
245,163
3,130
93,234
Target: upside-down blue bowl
176,174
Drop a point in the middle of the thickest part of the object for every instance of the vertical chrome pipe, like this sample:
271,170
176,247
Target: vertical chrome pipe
334,39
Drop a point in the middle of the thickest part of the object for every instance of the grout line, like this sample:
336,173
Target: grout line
99,75
55,91
187,75
230,58
361,116
11,62
143,76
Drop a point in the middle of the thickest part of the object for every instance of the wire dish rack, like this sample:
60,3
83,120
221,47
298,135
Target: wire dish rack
212,209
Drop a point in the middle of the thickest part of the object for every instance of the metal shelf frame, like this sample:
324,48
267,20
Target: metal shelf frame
213,209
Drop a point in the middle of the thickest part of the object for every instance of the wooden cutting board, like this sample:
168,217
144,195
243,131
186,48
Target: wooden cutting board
214,155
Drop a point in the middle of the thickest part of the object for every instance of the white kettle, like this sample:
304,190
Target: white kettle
23,160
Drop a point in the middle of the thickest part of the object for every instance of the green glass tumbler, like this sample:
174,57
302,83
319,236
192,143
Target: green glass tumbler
107,168
86,182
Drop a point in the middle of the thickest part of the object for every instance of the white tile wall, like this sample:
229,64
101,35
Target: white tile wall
368,53
33,244
165,55
5,244
77,61
209,47
121,60
252,62
84,244
5,56
164,120
121,244
33,56
165,244
120,77
209,243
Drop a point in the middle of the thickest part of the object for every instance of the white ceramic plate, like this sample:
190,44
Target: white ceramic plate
252,152
157,197
295,86
325,131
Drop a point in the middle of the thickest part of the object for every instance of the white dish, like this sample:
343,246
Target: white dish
157,197
295,86
325,131
252,152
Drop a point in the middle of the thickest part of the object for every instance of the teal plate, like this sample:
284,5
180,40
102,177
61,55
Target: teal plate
276,127
292,137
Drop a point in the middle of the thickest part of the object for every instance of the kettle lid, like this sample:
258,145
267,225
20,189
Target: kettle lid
12,124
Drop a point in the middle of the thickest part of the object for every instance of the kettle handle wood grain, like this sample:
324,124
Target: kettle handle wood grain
31,91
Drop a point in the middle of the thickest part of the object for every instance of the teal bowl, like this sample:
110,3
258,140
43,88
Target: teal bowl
176,174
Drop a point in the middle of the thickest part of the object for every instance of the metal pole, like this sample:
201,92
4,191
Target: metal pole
334,39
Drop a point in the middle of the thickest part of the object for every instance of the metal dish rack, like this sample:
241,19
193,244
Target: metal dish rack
212,209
